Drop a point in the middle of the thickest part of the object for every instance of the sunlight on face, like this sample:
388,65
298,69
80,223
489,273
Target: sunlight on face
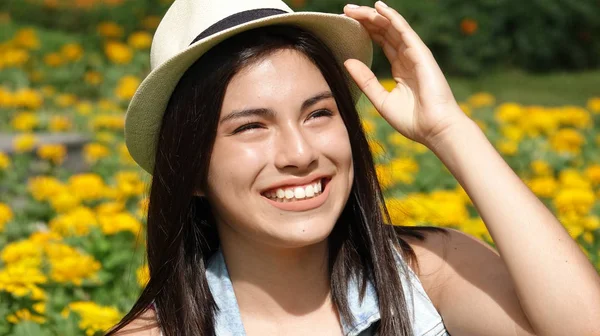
278,122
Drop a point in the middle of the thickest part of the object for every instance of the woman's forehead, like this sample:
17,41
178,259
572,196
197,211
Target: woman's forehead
286,76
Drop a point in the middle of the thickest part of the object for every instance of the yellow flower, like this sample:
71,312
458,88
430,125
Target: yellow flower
110,30
593,104
13,58
74,222
512,133
43,188
4,161
65,100
72,51
54,59
93,77
575,201
59,123
68,265
403,170
377,148
110,208
118,52
508,147
541,168
592,173
143,275
567,141
544,186
93,317
24,315
114,122
108,105
113,223
476,227
6,215
574,116
508,112
369,126
24,142
23,252
24,121
571,178
28,98
64,201
126,87
95,151
481,99
384,176
39,307
129,183
140,40
52,152
84,108
27,38
87,186
21,280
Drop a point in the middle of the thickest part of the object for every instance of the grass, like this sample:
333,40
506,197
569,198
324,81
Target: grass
552,89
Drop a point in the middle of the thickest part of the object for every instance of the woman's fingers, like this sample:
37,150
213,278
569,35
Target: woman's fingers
366,14
400,29
367,82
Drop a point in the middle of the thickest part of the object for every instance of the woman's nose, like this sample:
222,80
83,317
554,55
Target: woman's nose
293,149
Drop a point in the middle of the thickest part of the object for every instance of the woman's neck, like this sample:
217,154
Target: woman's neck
279,284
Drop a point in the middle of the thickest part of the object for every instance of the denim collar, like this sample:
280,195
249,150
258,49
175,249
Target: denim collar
228,318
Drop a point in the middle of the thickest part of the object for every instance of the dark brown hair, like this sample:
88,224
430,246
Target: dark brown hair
181,232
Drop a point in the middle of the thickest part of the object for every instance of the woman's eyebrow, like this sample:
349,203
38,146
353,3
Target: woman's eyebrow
315,99
268,113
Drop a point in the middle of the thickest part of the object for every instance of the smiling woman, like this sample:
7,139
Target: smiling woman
266,216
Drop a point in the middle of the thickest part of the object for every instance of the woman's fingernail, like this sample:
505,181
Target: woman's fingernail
382,3
352,6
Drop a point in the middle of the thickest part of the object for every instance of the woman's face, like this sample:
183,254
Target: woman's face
280,133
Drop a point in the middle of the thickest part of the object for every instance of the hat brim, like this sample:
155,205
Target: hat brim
343,35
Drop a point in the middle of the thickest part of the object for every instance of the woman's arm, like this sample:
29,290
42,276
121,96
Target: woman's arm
556,286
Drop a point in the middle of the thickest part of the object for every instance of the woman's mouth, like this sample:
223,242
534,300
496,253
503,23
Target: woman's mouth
298,193
299,198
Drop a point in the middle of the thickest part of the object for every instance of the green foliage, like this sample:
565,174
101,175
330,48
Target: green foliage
539,35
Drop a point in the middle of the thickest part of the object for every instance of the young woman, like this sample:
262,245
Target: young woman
266,217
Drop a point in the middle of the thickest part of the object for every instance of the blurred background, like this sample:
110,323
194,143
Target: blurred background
73,202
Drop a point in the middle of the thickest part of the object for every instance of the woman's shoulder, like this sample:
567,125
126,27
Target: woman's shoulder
440,257
144,325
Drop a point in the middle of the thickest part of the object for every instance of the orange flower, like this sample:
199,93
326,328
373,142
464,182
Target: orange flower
468,26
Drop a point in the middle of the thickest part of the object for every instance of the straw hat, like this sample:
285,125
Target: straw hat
191,27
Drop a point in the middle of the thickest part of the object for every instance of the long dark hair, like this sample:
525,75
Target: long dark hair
182,234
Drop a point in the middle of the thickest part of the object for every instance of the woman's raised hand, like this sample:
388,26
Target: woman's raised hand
421,106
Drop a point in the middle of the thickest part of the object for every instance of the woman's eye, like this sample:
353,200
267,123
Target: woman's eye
246,127
321,113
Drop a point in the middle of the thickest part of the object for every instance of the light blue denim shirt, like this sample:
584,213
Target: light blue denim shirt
425,319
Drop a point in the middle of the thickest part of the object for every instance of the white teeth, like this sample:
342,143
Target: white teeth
310,191
295,193
289,193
